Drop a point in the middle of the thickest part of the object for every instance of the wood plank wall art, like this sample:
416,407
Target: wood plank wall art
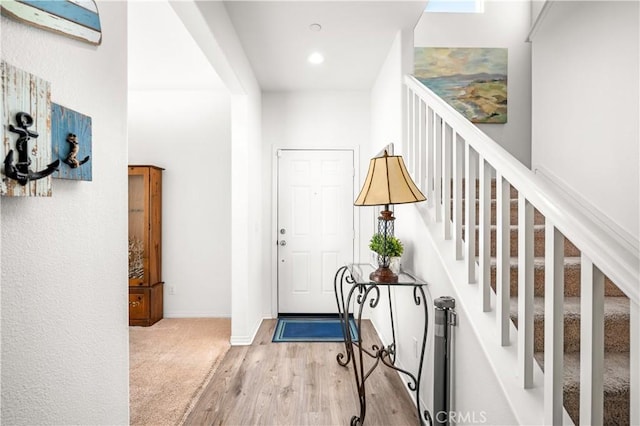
71,143
78,19
26,140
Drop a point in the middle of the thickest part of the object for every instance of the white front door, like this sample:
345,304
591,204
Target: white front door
315,227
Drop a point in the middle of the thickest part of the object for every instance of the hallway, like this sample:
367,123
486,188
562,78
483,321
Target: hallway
297,384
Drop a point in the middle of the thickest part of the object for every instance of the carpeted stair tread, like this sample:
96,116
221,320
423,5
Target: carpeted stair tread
570,250
616,323
616,386
615,307
571,277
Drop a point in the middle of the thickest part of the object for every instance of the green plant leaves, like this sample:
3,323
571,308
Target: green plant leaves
391,247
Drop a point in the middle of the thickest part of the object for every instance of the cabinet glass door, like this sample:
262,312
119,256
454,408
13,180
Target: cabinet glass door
137,230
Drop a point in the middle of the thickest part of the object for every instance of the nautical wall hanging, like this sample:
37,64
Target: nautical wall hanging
77,19
26,134
71,143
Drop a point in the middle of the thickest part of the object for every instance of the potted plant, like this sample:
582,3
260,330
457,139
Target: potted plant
388,250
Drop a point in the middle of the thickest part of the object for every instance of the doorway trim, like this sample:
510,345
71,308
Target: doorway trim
274,211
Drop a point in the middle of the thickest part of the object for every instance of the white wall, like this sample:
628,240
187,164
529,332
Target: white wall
313,120
476,391
188,132
536,9
503,24
386,127
211,28
386,97
316,119
64,259
483,404
585,104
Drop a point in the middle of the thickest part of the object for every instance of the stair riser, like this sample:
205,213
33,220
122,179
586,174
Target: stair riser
513,191
571,282
615,410
538,243
616,333
538,218
616,389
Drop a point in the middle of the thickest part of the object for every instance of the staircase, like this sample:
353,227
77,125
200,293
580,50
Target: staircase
563,339
616,313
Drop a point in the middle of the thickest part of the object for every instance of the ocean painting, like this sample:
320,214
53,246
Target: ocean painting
472,80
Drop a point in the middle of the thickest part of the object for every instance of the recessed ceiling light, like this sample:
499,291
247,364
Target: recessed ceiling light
315,58
315,27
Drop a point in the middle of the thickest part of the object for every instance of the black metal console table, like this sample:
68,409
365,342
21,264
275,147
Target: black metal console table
361,290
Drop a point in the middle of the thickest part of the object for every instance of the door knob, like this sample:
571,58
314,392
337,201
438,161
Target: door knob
283,243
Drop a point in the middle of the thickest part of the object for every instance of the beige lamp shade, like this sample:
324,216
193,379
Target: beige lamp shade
388,182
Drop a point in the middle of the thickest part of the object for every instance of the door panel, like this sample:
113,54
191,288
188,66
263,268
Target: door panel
315,210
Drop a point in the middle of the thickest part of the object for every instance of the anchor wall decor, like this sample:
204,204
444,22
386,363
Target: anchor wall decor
25,134
72,158
21,171
71,143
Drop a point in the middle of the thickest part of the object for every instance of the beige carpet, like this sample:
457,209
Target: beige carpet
170,363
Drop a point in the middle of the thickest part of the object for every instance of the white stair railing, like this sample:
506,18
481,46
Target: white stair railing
447,154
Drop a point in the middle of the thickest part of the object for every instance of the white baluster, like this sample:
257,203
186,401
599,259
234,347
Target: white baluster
409,123
458,164
471,166
430,161
419,151
412,132
503,258
553,325
591,343
525,291
438,167
484,222
446,182
422,160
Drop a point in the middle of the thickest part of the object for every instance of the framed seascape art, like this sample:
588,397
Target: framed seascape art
472,80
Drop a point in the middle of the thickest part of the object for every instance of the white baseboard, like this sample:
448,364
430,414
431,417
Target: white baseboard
247,340
191,314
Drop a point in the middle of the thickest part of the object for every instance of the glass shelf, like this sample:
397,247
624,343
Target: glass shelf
360,273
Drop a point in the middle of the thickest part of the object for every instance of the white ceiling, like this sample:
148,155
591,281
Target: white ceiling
355,39
162,53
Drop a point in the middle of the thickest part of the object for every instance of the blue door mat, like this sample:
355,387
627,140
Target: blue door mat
312,329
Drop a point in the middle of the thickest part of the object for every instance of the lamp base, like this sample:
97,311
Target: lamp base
383,275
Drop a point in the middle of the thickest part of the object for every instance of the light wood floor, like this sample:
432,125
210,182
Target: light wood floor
297,384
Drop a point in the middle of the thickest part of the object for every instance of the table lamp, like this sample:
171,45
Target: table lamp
387,182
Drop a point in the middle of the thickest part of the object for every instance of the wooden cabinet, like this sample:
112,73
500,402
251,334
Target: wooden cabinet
145,245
